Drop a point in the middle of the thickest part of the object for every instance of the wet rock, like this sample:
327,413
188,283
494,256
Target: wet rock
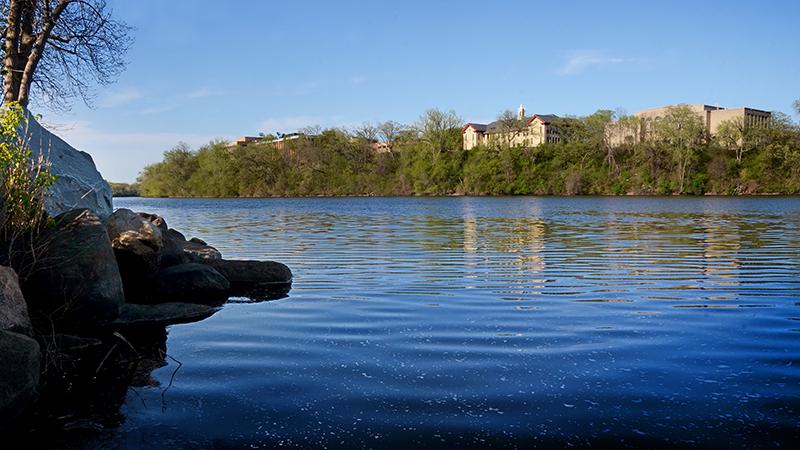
191,283
153,316
78,183
255,279
137,244
172,253
76,282
13,309
172,241
196,250
19,374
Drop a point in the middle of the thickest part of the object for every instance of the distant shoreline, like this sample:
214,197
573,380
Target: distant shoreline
706,195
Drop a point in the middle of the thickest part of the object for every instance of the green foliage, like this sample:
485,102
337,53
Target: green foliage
124,189
24,179
428,159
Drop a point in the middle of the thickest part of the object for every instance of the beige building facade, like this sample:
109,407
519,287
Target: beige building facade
537,130
712,117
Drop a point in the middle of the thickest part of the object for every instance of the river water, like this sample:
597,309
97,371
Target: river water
487,322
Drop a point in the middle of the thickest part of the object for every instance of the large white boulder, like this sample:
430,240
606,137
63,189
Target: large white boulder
78,183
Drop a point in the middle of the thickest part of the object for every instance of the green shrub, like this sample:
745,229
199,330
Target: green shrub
25,179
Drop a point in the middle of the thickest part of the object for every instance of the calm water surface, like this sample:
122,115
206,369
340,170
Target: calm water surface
473,322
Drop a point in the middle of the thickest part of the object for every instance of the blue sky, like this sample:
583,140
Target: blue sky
202,69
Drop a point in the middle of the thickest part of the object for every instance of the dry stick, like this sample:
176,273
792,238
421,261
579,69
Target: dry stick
171,379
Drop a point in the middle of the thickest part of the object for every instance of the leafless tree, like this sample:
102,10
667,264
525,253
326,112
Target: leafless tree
60,48
367,132
511,126
390,131
438,129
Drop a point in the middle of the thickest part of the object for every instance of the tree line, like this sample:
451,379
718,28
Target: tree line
427,158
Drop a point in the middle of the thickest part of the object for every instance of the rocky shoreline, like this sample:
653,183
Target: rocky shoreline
83,311
96,282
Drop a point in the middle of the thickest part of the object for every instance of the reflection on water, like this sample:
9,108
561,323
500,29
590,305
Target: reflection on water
481,321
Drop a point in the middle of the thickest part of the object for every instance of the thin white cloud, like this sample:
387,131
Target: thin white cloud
578,62
120,156
157,109
120,98
358,80
294,123
202,92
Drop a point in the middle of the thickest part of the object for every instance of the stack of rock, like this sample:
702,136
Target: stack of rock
128,271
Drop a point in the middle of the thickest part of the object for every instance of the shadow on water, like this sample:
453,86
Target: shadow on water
87,380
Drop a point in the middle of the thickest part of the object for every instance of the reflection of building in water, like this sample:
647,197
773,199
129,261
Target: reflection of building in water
495,246
470,235
536,235
722,242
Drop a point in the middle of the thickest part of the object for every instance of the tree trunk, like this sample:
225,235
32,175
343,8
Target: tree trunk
13,74
23,48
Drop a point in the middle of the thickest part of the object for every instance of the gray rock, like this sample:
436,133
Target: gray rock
76,282
249,275
153,316
19,374
192,283
13,309
172,254
78,183
137,242
198,251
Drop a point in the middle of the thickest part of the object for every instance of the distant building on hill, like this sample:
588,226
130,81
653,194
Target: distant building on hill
711,116
244,140
530,131
279,142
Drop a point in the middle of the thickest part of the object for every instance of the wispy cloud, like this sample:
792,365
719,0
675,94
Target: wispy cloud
202,92
175,102
294,123
157,109
120,98
358,80
577,62
120,155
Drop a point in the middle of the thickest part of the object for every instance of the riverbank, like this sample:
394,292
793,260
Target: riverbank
334,163
88,286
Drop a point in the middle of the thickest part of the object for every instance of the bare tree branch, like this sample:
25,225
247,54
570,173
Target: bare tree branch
57,50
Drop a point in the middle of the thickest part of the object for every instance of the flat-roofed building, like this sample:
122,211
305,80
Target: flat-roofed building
244,140
711,116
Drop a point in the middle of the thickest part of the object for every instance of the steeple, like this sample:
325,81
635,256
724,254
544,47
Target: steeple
521,112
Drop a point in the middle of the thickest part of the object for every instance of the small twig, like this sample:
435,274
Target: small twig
171,379
113,347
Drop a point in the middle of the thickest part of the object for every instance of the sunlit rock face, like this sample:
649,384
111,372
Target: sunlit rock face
78,183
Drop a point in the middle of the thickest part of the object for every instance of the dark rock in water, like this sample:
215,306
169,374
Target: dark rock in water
198,251
137,244
172,253
78,183
261,280
76,282
19,374
154,316
197,240
191,283
172,241
13,309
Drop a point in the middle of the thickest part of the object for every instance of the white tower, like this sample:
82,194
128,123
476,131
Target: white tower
521,112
